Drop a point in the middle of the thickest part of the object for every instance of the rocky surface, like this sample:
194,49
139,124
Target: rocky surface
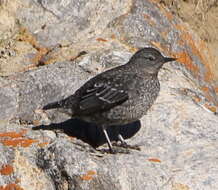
50,48
202,16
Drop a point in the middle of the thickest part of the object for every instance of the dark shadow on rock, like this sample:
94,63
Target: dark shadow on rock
90,133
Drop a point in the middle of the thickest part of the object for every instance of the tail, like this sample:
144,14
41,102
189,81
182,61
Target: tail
69,104
53,105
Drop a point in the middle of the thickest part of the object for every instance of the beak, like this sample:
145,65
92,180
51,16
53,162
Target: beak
168,59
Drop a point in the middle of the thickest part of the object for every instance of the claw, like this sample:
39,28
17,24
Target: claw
125,145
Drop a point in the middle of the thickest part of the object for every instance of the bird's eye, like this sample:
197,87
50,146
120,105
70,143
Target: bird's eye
151,58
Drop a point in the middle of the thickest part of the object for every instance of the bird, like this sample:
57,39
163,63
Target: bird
117,96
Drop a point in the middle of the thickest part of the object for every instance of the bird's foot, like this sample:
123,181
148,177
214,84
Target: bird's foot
115,150
127,146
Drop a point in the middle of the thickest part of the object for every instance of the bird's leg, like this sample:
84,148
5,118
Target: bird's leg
112,149
123,142
108,139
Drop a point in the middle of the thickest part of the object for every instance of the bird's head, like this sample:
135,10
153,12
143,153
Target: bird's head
149,59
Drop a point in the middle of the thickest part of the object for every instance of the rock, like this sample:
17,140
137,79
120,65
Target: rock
8,99
73,41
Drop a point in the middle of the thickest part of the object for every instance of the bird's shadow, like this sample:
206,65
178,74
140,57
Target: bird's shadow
90,133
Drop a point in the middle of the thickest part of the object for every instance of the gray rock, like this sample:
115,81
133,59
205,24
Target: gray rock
178,136
8,99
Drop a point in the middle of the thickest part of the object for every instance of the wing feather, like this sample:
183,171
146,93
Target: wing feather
101,97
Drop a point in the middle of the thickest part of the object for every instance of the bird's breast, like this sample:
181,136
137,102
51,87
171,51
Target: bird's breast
141,97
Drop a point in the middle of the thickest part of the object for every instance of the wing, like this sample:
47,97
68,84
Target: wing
100,96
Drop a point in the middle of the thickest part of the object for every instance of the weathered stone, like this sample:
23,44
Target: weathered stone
178,136
8,99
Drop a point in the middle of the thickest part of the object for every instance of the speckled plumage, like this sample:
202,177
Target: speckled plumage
142,91
120,95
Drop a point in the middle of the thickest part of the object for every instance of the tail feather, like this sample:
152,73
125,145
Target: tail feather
68,103
68,106
52,106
